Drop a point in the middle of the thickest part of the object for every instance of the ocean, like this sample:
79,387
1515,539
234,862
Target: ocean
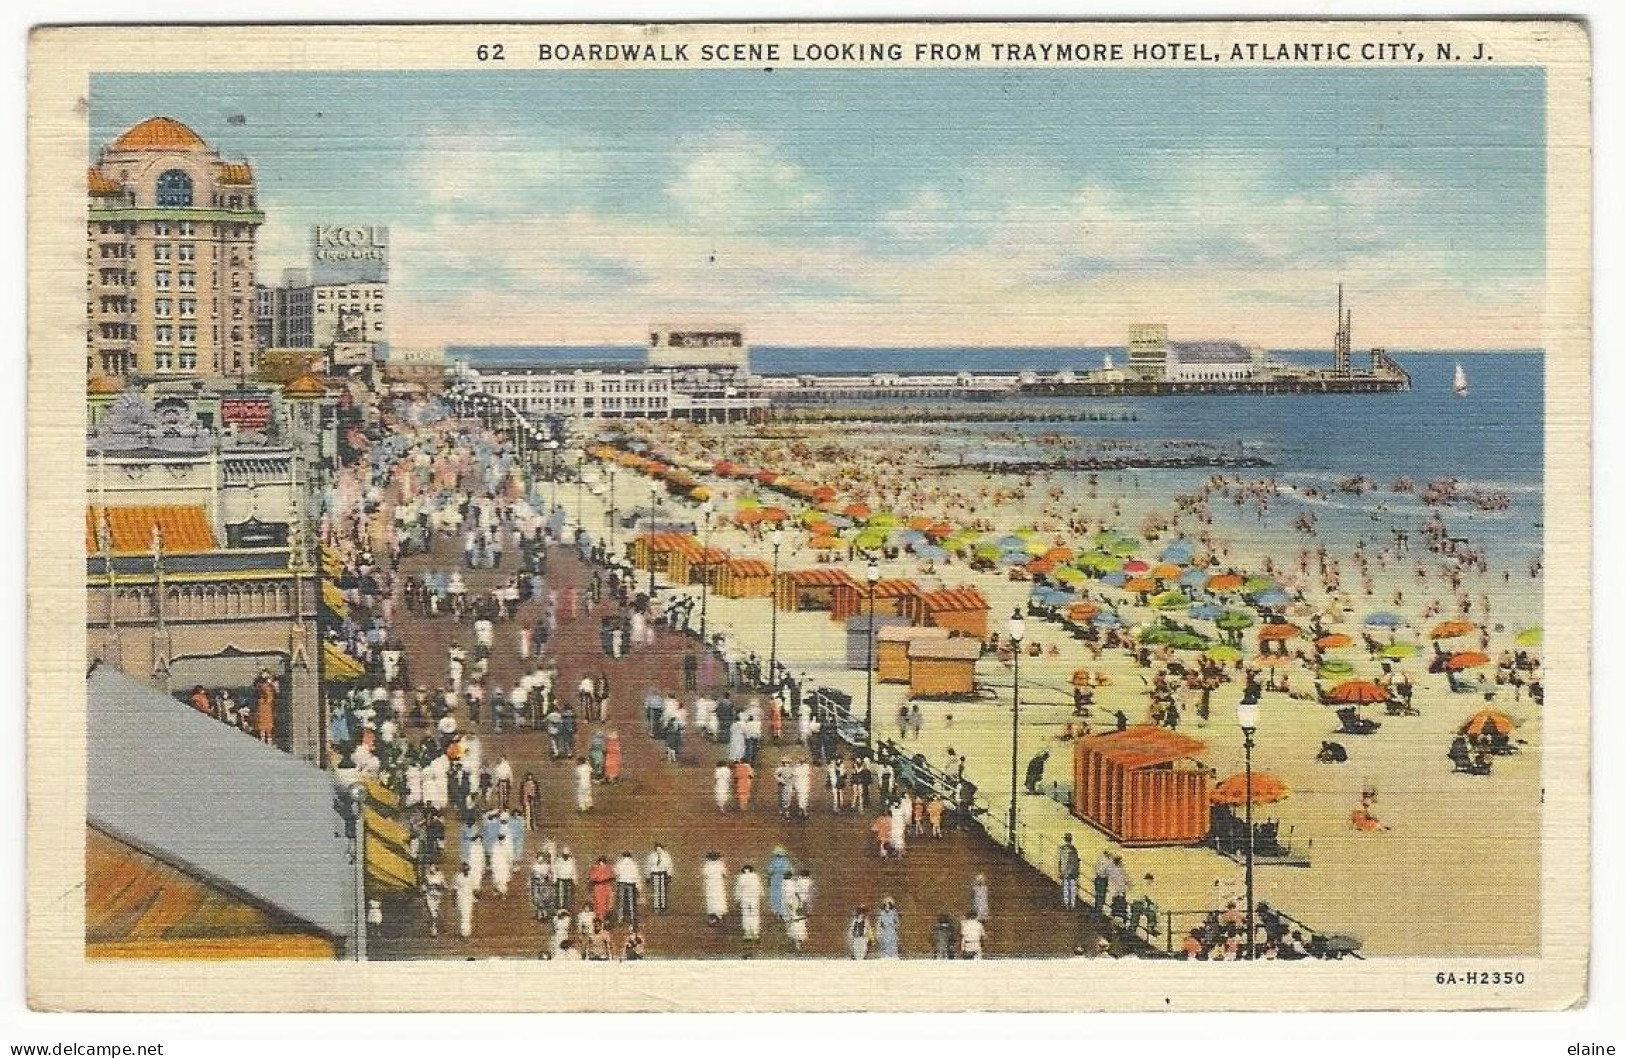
1491,439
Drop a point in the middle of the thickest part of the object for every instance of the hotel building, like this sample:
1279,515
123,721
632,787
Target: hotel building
169,257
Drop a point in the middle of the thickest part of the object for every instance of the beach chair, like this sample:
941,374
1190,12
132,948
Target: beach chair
1355,724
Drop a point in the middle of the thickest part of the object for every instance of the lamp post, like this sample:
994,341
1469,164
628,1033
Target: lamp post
351,796
705,575
654,501
581,486
1018,628
1247,718
612,510
552,477
776,537
869,663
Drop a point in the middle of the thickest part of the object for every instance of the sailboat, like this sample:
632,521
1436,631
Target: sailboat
1460,385
1108,365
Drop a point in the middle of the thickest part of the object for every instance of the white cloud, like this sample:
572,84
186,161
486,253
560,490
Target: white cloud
734,181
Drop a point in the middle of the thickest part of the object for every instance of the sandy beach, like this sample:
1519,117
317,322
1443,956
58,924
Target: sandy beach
1400,889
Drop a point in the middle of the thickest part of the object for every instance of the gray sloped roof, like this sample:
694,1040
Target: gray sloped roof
216,803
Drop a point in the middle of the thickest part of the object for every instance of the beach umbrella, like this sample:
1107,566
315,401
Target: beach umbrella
884,520
1140,584
1358,692
858,511
1467,659
1336,669
907,537
930,551
1224,582
1171,600
1012,542
1189,641
869,539
1224,652
1280,631
1013,558
1452,629
1100,562
774,514
1082,611
1234,620
748,516
1165,571
826,543
1115,580
1253,585
1488,721
919,524
1272,597
1529,637
1136,566
1067,575
1193,578
1398,651
1206,611
1266,790
940,530
1106,619
811,517
748,502
1180,552
1383,619
1334,641
1060,554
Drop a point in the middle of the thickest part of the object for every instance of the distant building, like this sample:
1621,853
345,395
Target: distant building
416,367
617,391
171,232
1211,361
1147,350
720,348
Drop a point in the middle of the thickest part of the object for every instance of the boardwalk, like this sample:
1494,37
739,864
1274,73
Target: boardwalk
672,803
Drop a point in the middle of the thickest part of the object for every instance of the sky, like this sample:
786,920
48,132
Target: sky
904,207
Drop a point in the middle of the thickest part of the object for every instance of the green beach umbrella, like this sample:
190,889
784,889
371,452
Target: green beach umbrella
1529,637
988,551
1253,585
1171,600
1398,651
1336,669
870,539
1234,620
1189,641
1100,562
1224,652
884,520
1067,575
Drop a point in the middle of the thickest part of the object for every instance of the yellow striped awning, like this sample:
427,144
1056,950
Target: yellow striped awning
334,599
387,868
341,666
331,565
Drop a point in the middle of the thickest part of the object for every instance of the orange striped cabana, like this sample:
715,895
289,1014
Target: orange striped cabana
1143,786
810,589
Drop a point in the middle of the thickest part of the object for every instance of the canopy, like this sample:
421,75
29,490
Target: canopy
1358,692
1136,566
1452,629
1171,600
1488,721
1336,669
1529,637
1384,620
1398,651
1206,611
1224,652
1467,659
1234,620
1277,631
1267,789
1333,641
1165,571
1224,582
1272,597
1180,551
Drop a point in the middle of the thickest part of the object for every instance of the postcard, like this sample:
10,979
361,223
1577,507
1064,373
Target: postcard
888,516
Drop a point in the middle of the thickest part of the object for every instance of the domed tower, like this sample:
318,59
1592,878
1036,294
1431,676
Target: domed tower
171,233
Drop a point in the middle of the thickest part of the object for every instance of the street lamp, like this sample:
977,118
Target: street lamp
776,538
654,501
581,485
1018,628
869,663
350,800
612,510
553,477
1247,719
706,573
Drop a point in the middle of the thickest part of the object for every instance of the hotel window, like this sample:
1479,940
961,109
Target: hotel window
188,251
163,334
160,279
188,308
188,229
188,280
188,360
161,229
162,360
160,252
174,189
160,308
188,334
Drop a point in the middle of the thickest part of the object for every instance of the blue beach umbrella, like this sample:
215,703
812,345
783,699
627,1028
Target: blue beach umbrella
1106,619
1206,611
1179,552
1273,597
1384,620
1116,578
929,551
1193,578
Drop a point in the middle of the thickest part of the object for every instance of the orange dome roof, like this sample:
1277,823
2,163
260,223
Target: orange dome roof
160,134
306,385
102,385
